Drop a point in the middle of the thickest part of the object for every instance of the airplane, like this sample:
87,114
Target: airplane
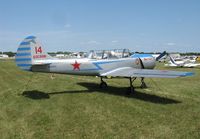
181,63
159,57
31,57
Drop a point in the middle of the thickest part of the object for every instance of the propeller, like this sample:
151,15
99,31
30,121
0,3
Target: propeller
141,63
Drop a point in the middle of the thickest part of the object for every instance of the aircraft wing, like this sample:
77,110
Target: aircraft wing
132,72
190,65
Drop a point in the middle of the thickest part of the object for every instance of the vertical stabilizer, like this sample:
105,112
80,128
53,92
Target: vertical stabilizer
161,55
172,60
29,51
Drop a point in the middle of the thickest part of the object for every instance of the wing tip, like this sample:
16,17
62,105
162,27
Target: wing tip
188,74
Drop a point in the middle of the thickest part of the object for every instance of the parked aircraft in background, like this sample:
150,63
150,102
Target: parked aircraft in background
31,56
159,56
181,63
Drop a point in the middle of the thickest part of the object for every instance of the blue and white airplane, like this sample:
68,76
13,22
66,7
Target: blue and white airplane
31,57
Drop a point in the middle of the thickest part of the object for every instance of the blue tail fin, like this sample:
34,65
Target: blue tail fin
29,51
161,55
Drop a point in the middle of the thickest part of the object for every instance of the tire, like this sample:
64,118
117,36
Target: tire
143,85
103,85
130,90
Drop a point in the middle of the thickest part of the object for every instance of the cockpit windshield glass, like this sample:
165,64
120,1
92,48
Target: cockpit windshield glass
109,54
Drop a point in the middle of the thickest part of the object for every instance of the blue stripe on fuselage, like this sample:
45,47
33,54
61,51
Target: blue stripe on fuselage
98,63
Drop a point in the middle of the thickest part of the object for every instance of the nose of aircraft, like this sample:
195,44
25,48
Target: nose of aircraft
147,60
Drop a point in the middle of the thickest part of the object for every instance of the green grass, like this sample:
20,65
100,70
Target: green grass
74,106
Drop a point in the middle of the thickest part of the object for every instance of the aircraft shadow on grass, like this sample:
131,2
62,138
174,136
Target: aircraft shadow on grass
94,87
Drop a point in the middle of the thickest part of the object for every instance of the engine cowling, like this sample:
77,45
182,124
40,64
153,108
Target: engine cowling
147,61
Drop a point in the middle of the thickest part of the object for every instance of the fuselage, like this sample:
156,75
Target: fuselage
91,66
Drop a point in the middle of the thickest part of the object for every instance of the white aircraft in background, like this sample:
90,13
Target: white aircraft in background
181,63
191,59
31,57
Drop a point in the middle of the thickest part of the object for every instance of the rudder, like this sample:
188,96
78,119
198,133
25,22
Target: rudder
29,51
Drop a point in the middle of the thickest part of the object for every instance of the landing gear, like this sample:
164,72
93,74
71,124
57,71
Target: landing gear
103,84
143,84
131,89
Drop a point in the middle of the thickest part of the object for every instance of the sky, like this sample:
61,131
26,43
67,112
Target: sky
83,25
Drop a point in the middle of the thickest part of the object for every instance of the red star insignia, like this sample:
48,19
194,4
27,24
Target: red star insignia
76,65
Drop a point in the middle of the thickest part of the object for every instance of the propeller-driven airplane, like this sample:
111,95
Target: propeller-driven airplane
31,56
181,63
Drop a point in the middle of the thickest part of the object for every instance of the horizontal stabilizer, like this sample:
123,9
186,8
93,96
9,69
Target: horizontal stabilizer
41,63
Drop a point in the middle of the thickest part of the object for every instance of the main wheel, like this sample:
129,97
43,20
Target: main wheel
103,85
143,85
130,90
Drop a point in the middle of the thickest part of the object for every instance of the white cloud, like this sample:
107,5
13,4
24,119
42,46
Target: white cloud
93,42
170,44
115,41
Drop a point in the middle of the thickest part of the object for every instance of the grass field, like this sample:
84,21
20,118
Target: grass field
35,106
